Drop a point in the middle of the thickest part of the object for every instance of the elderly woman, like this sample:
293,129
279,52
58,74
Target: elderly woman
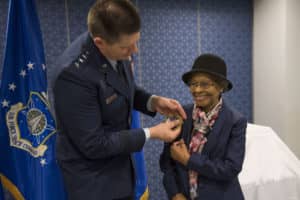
204,162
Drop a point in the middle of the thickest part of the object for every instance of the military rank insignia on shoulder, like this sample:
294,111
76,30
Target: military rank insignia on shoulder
82,58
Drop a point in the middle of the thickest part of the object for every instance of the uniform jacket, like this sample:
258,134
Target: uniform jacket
219,163
93,108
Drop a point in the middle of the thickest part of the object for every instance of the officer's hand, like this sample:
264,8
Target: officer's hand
166,131
167,107
179,196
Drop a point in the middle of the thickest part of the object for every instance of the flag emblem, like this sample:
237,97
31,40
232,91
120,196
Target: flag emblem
28,125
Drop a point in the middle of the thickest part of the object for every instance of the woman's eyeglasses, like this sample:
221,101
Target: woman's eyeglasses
202,84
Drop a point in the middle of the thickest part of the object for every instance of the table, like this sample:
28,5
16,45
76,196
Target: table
270,171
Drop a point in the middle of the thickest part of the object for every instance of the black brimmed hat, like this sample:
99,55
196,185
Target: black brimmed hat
211,64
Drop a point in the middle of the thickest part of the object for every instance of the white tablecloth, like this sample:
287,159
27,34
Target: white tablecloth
270,171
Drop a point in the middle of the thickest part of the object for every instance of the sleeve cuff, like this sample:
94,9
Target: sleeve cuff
149,103
147,133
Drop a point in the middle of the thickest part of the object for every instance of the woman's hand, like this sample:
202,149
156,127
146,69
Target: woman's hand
179,152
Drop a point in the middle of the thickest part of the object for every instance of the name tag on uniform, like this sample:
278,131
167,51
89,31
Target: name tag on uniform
110,99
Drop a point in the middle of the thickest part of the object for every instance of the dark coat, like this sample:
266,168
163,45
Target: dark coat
93,108
219,163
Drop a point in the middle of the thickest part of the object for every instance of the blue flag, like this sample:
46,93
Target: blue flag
1,191
1,188
141,182
28,168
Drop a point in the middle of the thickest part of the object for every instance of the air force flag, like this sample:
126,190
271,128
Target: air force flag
27,129
141,182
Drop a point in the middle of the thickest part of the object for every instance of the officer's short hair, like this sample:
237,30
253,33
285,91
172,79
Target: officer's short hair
109,19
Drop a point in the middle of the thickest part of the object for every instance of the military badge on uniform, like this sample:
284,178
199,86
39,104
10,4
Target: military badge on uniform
174,117
110,99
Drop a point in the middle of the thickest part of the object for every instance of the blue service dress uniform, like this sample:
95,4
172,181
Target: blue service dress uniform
93,107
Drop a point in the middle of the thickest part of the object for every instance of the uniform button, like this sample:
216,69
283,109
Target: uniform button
104,65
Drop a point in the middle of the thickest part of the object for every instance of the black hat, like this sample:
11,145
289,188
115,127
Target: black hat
211,64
